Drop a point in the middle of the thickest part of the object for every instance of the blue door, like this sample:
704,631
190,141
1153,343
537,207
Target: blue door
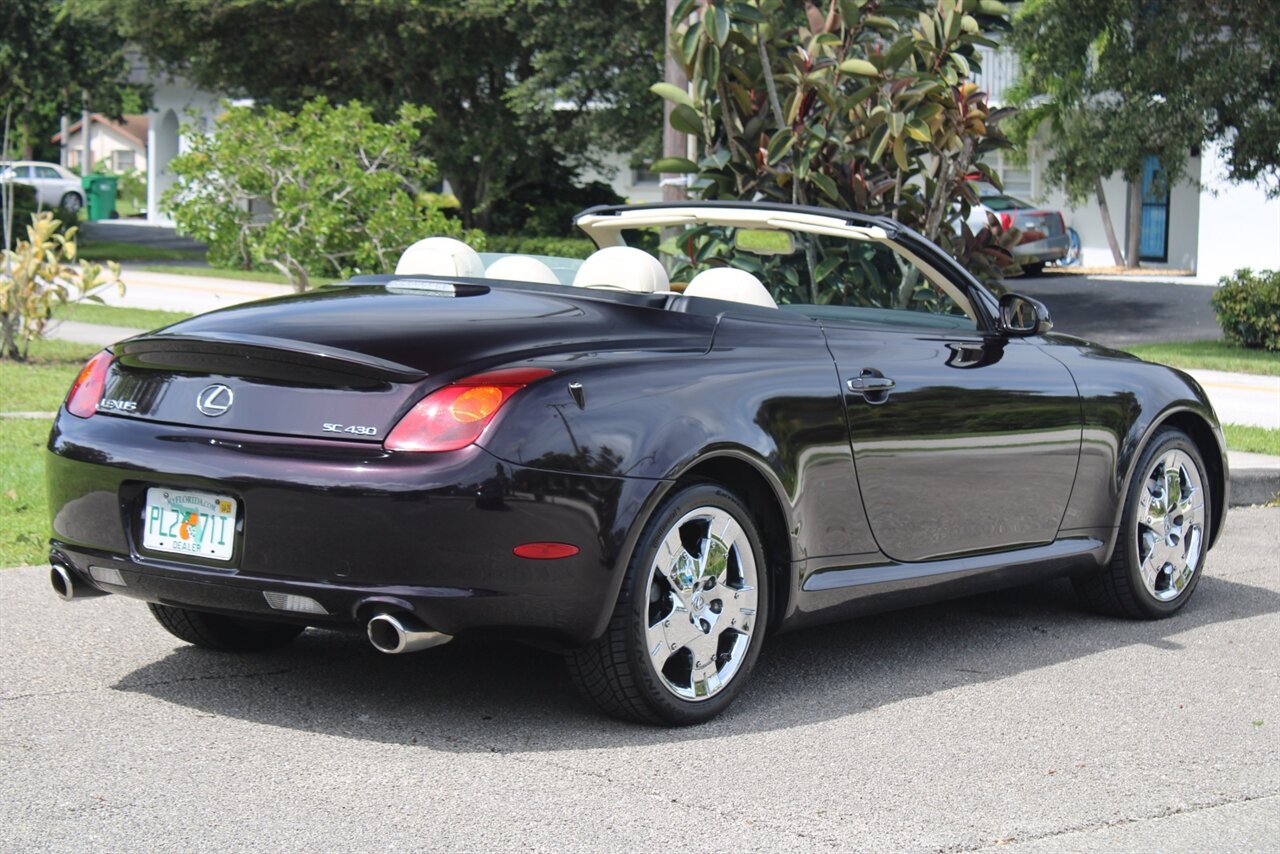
1155,212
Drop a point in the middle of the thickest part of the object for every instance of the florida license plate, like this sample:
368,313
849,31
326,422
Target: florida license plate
199,524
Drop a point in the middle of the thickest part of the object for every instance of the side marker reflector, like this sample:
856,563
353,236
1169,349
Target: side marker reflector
544,551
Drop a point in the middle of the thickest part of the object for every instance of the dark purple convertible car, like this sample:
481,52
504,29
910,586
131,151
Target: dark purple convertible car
801,415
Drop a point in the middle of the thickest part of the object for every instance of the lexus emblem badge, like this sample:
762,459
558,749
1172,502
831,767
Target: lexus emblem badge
215,400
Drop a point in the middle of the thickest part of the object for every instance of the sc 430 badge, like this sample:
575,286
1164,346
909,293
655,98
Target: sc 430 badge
354,429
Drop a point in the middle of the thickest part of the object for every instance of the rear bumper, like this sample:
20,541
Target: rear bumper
348,525
1040,251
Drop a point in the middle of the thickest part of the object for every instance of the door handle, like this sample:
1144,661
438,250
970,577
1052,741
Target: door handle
872,385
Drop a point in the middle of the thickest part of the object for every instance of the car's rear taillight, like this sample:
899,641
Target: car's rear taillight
453,417
86,391
1006,221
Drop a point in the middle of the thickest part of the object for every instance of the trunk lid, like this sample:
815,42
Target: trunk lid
346,362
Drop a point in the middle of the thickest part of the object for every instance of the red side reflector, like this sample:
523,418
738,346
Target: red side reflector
544,551
86,391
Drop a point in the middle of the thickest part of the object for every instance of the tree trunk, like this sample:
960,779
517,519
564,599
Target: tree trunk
1113,244
1133,236
674,143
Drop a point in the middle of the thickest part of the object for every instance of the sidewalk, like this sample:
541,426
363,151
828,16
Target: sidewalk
194,294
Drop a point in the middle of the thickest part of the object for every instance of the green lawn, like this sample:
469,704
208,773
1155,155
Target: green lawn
24,515
109,315
1257,440
1209,355
247,275
39,385
119,250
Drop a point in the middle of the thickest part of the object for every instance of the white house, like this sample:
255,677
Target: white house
1205,223
121,145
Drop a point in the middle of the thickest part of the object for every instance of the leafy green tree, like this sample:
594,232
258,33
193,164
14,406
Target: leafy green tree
516,85
854,105
1117,81
329,190
50,61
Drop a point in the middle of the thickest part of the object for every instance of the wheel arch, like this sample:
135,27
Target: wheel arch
1208,441
762,495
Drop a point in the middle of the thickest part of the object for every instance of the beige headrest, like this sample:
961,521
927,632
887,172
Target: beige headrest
440,256
521,268
622,268
730,284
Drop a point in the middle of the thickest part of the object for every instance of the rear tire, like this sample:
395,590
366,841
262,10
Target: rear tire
1163,538
1032,270
72,202
690,618
223,633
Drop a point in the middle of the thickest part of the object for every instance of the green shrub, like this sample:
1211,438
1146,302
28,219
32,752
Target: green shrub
24,207
561,247
1248,306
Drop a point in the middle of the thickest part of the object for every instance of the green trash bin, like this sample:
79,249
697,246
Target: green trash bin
100,195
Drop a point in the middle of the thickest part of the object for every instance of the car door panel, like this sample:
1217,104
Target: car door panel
962,443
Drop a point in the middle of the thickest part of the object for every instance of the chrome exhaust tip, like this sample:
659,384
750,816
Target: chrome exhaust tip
67,587
395,634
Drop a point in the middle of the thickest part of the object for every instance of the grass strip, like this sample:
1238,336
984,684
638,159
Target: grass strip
120,250
242,275
111,315
24,514
1255,440
1209,355
41,383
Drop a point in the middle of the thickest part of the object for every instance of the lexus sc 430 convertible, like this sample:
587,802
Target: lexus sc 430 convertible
731,420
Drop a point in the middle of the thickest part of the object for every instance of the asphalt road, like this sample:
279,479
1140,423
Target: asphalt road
1116,312
1013,720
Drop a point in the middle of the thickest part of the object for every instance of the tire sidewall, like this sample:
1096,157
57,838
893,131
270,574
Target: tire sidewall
666,705
1167,440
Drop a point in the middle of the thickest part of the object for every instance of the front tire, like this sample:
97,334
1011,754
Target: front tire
689,622
1163,537
72,202
223,633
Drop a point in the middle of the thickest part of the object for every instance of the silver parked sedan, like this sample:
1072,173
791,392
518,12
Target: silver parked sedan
55,185
1044,233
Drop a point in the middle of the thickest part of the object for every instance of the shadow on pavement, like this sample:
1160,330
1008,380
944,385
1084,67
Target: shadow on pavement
506,697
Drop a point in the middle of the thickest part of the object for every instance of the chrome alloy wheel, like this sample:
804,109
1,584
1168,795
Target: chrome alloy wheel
702,603
1170,525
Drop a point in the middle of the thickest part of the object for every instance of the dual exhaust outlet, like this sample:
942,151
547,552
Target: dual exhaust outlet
392,633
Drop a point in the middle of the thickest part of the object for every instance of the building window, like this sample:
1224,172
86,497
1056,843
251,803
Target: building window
643,176
1155,212
122,160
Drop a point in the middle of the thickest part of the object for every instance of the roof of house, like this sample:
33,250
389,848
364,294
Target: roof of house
133,128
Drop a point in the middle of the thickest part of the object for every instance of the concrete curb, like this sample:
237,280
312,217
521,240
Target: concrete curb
1254,486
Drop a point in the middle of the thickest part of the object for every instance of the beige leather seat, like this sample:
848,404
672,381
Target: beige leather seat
731,285
440,256
521,268
622,268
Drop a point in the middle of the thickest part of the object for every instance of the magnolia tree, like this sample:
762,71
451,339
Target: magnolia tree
326,191
856,104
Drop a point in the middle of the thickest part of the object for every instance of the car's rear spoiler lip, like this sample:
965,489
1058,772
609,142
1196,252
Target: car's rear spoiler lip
275,349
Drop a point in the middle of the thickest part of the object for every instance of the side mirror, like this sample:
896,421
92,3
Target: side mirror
1021,316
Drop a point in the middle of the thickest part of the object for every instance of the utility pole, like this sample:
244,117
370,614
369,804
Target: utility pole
674,143
85,169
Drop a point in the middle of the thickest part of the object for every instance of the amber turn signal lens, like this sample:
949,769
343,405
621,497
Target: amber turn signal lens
477,403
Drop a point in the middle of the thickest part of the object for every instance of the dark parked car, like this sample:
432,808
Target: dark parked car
805,415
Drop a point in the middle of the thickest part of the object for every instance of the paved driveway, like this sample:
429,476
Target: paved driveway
1116,312
1013,720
